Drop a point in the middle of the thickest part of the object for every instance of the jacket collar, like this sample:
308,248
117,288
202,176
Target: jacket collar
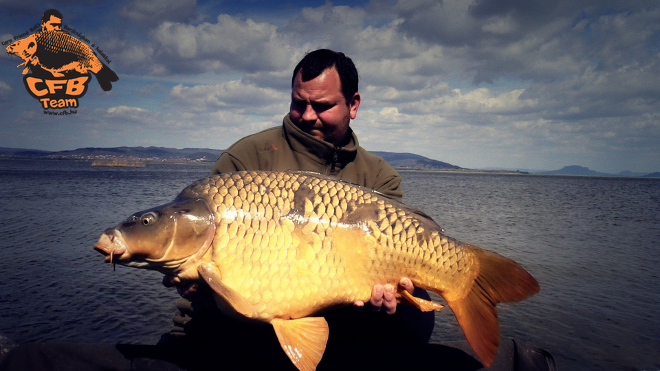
323,152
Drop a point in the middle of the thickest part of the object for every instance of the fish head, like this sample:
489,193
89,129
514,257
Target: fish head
161,238
24,48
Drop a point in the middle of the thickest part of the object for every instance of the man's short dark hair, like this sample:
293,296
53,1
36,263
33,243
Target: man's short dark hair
314,63
46,17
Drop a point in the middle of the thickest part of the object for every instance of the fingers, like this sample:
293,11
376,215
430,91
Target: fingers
376,300
187,290
384,296
169,281
358,304
407,284
389,299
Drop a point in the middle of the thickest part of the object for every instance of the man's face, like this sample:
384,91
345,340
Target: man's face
319,108
53,24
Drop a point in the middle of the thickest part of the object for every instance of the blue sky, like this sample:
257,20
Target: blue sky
510,84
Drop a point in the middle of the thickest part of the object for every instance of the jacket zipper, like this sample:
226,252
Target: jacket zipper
335,156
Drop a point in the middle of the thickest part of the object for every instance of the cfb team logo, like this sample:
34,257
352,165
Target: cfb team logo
60,64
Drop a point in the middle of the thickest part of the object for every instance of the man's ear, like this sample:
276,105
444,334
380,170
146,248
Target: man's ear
354,104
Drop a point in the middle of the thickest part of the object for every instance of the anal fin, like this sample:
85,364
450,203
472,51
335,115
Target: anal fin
303,340
421,304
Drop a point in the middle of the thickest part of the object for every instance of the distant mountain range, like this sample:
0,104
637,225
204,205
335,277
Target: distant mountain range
403,161
157,154
585,171
162,154
412,161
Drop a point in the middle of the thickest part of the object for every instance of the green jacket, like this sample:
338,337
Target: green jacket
287,147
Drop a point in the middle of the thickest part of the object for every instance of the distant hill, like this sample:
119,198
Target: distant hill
202,154
585,171
412,161
22,151
629,173
575,170
143,153
398,160
164,154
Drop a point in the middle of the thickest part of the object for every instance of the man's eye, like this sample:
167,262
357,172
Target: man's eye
320,107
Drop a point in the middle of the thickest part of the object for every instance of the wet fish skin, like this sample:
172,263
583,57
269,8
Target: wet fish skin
301,235
277,247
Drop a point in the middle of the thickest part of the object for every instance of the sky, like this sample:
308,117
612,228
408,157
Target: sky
510,84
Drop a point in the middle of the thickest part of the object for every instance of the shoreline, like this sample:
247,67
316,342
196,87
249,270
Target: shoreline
181,161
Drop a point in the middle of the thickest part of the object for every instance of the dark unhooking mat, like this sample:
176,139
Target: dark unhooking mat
5,346
458,356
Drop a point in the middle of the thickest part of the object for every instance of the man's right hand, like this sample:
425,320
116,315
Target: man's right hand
187,290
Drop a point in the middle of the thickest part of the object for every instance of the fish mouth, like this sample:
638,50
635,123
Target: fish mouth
111,245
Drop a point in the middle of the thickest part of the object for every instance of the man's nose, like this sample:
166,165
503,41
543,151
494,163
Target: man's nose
309,114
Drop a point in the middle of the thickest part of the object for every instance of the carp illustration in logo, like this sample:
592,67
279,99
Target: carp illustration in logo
58,52
60,63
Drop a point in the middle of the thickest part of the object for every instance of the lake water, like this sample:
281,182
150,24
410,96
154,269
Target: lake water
592,243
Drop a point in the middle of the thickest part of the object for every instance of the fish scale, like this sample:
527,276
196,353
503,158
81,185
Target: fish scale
317,219
62,42
279,247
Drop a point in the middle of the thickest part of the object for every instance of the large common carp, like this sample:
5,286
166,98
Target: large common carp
281,247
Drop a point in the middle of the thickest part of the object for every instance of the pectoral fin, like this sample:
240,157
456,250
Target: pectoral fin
232,300
303,340
421,304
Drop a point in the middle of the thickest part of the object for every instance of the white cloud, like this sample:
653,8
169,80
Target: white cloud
125,111
5,91
230,44
471,82
156,11
235,96
327,26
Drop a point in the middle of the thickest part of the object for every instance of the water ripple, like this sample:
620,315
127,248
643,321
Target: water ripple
592,243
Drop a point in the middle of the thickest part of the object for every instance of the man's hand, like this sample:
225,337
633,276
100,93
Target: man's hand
385,296
186,290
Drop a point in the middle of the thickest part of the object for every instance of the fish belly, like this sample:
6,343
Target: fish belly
294,244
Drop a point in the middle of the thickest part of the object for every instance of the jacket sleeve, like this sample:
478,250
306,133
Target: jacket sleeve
389,182
227,163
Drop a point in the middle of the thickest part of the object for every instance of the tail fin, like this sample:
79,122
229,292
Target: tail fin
500,280
105,77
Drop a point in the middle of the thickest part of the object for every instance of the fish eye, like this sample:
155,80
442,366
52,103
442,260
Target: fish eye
148,218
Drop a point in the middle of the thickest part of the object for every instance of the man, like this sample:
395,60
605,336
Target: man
315,136
51,20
